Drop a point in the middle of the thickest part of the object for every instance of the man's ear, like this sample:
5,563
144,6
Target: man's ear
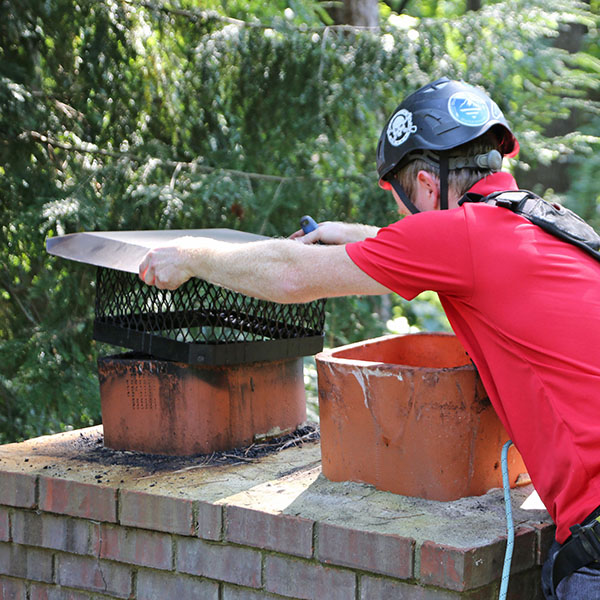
429,184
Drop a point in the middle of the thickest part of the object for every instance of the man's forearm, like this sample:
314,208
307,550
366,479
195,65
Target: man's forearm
266,269
278,270
269,269
360,232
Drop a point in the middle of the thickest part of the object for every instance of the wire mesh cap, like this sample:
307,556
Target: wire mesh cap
199,312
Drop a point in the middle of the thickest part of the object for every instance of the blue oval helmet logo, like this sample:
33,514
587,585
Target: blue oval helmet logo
468,109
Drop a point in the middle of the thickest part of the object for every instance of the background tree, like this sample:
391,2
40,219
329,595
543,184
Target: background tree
359,13
135,114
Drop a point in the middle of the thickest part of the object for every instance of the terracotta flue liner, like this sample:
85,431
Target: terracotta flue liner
409,414
165,407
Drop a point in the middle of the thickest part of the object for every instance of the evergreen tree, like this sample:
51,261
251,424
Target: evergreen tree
147,114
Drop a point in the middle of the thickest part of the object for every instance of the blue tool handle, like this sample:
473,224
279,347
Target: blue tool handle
308,224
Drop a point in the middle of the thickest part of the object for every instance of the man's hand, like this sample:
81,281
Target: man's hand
335,233
168,266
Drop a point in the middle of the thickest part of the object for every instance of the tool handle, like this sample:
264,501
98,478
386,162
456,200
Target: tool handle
308,224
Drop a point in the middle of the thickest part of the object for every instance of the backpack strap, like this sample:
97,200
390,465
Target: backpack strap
550,216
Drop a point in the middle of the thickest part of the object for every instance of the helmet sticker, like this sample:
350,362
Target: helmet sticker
496,112
400,127
468,109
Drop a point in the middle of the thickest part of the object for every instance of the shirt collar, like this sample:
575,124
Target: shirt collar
496,182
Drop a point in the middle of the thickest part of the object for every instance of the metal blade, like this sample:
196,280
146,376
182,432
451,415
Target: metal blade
124,250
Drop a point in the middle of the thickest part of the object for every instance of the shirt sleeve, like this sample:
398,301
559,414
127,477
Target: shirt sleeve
425,251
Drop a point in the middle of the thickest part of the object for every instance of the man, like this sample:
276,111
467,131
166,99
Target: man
524,303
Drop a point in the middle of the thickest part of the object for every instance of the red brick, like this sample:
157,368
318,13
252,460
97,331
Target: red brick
134,546
373,588
369,551
526,585
11,589
297,578
160,513
282,533
545,536
4,525
84,573
18,489
78,499
51,531
241,566
468,568
25,563
209,520
154,585
237,593
45,592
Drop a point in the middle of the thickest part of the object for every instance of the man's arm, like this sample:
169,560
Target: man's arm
282,270
336,232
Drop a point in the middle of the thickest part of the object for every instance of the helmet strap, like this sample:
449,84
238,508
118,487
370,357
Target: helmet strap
403,195
443,181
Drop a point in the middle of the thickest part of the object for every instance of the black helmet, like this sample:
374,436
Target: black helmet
436,118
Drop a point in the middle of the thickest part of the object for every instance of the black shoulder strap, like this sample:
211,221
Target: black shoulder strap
551,217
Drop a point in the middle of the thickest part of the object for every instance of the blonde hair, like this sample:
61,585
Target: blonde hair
460,181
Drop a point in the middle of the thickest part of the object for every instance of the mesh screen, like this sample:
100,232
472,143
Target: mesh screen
200,313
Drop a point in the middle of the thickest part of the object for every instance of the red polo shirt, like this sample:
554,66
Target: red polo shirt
526,306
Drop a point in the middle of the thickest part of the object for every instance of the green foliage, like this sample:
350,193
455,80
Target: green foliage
126,114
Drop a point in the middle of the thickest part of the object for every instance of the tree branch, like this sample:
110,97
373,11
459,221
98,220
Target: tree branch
9,400
23,308
205,15
93,149
403,6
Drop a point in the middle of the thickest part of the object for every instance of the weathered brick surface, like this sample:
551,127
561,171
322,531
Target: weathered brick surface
66,540
4,525
134,546
236,593
297,578
25,563
50,531
86,573
225,563
468,568
525,550
156,585
12,589
160,513
526,585
45,592
78,499
372,588
379,553
18,489
282,533
545,536
209,520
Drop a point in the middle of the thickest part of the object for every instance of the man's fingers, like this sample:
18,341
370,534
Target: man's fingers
168,285
160,269
146,273
310,238
143,268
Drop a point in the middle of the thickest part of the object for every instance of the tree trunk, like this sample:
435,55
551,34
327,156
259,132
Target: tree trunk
473,4
361,13
364,13
556,175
